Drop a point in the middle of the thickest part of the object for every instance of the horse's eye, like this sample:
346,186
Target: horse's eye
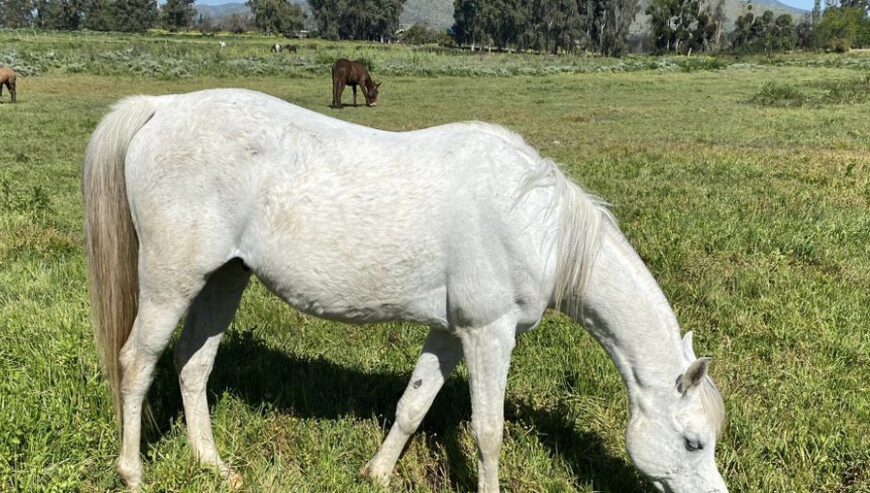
694,445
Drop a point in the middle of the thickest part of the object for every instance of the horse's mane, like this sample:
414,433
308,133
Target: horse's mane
581,216
578,242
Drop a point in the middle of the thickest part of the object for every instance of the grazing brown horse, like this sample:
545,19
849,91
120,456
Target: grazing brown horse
351,73
7,77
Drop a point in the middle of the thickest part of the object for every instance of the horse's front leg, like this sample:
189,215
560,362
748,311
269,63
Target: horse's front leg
354,94
440,354
209,317
487,355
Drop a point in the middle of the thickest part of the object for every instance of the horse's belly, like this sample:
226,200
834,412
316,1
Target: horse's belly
330,286
429,309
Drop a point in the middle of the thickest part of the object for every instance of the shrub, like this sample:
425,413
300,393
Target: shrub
778,94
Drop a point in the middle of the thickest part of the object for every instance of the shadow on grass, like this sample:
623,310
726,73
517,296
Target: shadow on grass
318,388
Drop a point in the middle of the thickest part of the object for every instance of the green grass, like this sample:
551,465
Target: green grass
754,219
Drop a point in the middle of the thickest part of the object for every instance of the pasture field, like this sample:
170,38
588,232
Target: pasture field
750,205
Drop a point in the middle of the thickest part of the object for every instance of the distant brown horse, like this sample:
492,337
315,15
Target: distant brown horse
7,77
351,73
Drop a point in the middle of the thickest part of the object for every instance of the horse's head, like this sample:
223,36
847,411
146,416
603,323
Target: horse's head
672,434
372,93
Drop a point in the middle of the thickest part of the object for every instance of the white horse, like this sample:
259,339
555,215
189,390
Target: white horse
463,228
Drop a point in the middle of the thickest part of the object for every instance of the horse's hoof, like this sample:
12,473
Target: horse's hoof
378,478
234,480
131,474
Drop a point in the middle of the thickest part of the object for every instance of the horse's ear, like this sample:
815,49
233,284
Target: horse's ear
378,84
688,348
694,375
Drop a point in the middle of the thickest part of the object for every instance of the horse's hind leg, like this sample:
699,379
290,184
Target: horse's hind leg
12,90
337,90
441,352
161,305
209,316
487,355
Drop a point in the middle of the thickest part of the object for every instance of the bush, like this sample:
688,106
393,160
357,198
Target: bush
839,46
778,94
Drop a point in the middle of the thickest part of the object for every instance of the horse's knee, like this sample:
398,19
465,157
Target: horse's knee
409,415
193,377
488,435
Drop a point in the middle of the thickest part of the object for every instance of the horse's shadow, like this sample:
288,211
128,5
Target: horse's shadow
321,389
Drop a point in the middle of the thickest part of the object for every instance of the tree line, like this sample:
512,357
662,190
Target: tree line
676,26
96,15
336,19
552,26
545,25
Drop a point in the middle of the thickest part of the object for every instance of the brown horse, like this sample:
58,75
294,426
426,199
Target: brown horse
7,77
351,73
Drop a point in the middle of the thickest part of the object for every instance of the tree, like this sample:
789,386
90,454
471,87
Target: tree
844,25
96,15
177,14
16,13
57,14
684,25
468,28
133,15
276,16
766,33
615,18
663,24
373,20
804,34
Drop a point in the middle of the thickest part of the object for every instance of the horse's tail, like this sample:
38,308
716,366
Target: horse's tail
581,217
110,239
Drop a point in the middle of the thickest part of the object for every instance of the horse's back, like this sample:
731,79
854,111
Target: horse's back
349,71
337,218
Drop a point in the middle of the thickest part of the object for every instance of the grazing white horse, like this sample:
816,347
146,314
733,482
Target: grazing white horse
463,228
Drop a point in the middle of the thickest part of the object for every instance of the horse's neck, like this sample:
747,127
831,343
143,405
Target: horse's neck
625,309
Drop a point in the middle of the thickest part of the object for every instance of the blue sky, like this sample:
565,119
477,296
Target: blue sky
801,4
